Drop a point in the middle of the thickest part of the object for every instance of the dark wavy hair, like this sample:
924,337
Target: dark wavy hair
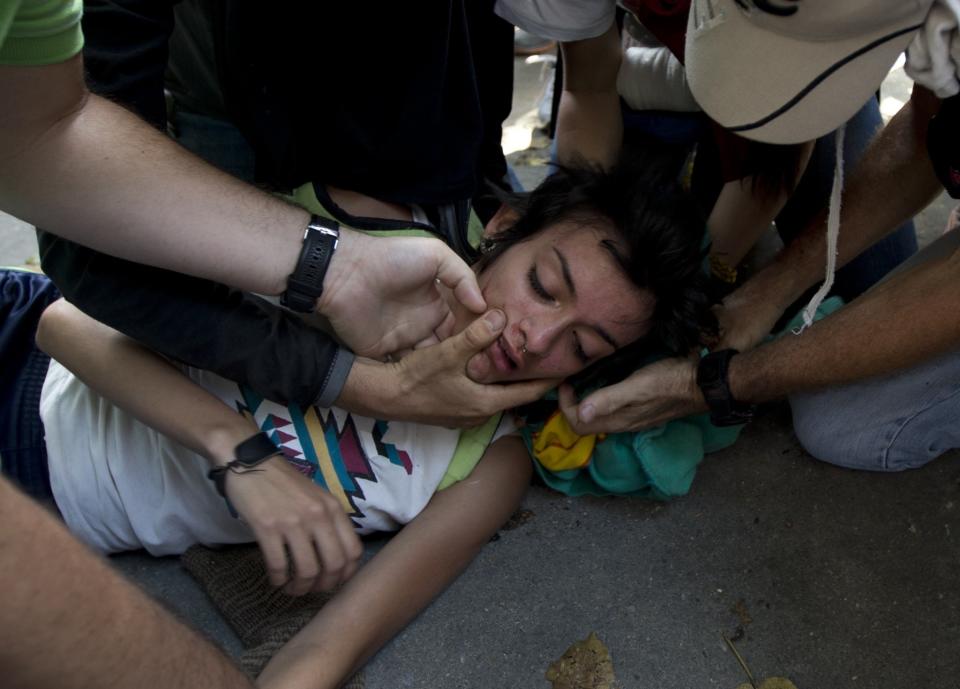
657,222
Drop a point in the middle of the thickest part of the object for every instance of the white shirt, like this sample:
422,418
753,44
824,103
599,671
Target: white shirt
121,485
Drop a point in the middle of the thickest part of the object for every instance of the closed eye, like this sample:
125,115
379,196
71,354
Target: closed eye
537,286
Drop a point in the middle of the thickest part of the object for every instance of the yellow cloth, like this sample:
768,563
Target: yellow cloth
558,448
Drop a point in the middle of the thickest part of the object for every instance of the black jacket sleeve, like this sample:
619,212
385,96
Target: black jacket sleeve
200,323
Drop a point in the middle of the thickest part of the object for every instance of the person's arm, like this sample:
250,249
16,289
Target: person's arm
283,508
905,320
245,339
69,621
402,579
892,182
589,123
90,171
743,212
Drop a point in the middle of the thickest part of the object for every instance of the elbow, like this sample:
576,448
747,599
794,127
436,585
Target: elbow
51,327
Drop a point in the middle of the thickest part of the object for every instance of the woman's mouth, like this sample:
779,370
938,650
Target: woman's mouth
501,356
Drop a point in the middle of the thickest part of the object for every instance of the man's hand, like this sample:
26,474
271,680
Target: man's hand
431,385
660,392
748,314
381,293
291,515
743,322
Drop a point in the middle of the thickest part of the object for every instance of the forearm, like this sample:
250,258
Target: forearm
893,181
589,127
743,212
905,320
412,569
589,123
142,383
89,170
68,621
198,322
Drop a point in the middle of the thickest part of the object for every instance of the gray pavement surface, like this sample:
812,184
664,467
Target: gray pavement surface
828,577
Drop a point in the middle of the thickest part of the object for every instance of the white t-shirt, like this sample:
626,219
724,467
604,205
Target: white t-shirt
121,485
561,20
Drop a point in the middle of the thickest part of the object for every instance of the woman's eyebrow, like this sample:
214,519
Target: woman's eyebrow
568,278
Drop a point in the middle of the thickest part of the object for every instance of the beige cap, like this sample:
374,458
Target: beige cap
787,71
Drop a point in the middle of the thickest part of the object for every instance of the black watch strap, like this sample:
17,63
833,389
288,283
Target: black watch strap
252,452
713,381
305,283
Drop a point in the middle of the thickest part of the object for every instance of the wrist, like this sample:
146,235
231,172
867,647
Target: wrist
370,389
690,390
343,265
247,456
221,442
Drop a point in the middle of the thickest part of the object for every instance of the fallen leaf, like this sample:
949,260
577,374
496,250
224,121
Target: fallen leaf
771,683
777,683
585,665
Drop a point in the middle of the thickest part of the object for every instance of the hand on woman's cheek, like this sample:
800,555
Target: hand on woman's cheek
479,368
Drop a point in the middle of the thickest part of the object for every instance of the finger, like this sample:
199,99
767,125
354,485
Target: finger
601,411
480,334
446,328
440,333
332,558
453,272
352,547
274,557
305,565
568,406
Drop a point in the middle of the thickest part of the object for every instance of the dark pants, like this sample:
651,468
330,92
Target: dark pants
23,453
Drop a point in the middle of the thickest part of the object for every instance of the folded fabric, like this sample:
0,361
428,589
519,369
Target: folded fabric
235,580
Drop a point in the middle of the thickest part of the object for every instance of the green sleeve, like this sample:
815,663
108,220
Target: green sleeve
39,32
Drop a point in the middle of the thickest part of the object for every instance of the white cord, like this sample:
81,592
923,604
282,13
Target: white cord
833,233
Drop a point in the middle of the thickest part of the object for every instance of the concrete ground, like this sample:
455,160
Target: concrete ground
828,577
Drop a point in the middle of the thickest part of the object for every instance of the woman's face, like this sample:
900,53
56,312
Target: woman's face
568,304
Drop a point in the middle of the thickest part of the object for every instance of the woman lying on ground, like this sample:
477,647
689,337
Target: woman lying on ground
591,265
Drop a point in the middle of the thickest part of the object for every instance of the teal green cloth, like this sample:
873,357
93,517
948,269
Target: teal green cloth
659,463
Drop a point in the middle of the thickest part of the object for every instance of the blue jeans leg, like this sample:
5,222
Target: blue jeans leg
813,194
889,423
23,453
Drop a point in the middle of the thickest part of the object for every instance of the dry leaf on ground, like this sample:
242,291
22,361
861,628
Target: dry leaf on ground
585,665
771,683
